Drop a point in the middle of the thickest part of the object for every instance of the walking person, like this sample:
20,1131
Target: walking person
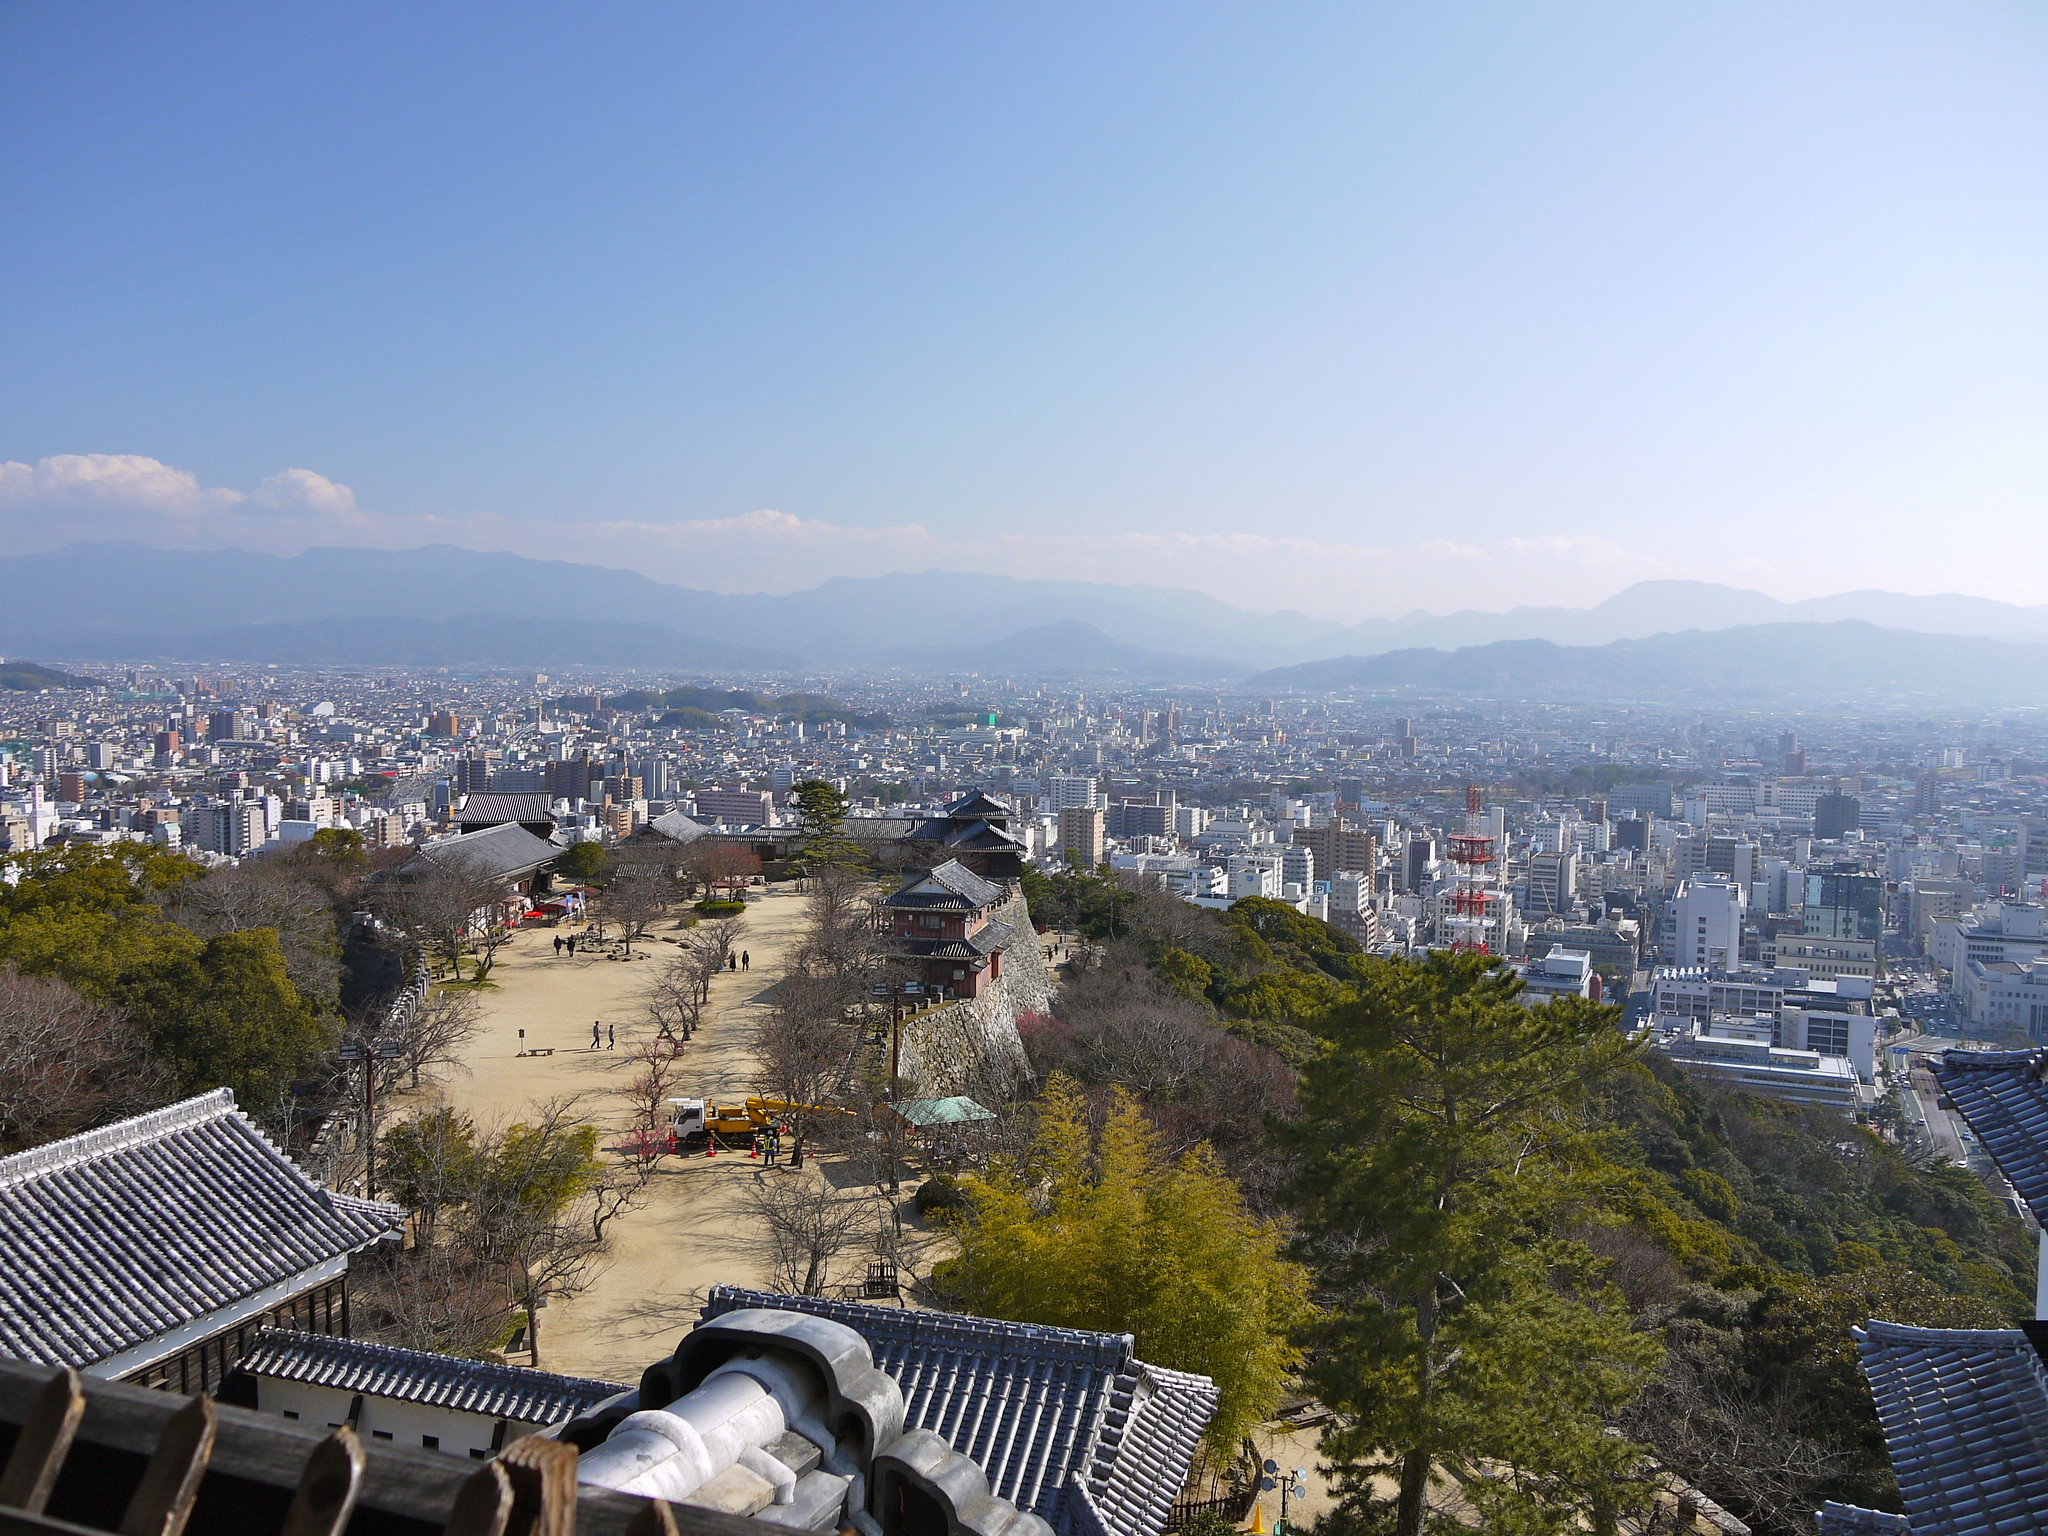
595,1039
611,1037
572,946
746,961
732,962
558,946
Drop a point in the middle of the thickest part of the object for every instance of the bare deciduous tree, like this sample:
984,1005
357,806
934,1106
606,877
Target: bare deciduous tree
806,1056
431,1037
432,1297
801,1224
655,1063
640,892
448,910
674,1000
68,1062
272,893
719,938
525,1208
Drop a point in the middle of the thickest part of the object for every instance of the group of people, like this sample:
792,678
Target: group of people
743,961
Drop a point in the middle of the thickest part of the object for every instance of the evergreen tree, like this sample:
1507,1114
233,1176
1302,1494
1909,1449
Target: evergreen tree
1110,1233
1440,1164
584,862
821,812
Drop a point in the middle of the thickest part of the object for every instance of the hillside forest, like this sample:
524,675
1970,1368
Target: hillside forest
1539,1264
1535,1272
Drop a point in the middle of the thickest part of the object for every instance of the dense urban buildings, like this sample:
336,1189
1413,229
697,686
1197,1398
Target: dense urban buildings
1907,856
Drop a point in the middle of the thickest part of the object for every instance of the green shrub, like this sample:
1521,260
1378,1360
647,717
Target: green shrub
711,908
940,1192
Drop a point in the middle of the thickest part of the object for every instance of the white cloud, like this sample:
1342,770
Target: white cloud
129,496
304,490
116,481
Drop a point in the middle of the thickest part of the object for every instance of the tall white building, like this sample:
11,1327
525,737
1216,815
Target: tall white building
1707,917
1070,791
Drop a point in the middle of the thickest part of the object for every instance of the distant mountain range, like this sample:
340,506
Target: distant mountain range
31,677
127,600
444,606
499,640
1071,648
1846,661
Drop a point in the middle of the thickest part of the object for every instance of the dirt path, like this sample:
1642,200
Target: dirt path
681,1240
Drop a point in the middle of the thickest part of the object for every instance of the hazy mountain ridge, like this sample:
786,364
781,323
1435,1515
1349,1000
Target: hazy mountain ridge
1664,607
125,599
1806,660
466,640
79,600
1070,648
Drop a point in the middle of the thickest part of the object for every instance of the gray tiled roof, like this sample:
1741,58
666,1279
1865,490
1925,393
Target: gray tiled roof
678,827
878,829
495,852
413,1376
487,806
959,890
2002,1096
114,1237
1068,1425
1965,1416
979,802
980,836
1855,1520
983,941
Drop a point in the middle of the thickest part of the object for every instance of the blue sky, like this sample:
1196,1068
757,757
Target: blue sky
1352,308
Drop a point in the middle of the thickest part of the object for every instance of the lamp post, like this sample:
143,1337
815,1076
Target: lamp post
368,1053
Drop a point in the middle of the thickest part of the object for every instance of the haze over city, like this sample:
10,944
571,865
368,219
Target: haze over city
1347,309
1113,770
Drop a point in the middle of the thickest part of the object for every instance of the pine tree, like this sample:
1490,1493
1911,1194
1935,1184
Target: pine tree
1439,1148
821,811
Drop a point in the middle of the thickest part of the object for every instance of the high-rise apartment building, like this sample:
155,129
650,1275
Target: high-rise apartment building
1338,845
1834,814
1707,922
1067,790
1843,904
736,807
1082,834
1699,853
234,827
571,779
1553,882
1139,818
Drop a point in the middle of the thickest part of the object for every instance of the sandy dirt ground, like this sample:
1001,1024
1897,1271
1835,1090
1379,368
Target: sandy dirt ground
684,1237
689,1232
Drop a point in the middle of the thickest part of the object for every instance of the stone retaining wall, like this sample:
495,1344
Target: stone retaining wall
972,1047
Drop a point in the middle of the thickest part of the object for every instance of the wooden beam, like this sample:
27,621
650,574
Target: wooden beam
327,1488
543,1474
170,1484
42,1442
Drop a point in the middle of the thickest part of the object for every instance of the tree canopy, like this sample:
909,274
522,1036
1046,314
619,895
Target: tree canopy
1104,1230
218,1008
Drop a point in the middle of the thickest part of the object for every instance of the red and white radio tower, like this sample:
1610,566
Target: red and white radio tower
1472,852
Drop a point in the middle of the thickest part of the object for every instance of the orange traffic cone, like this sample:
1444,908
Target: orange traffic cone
753,1149
711,1146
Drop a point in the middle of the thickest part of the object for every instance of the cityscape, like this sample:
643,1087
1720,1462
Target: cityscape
1090,772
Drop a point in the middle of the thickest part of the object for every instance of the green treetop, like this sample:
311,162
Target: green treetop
1438,1177
821,811
1108,1232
